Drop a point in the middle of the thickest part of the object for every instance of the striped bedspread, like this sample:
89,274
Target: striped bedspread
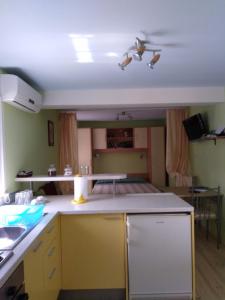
125,188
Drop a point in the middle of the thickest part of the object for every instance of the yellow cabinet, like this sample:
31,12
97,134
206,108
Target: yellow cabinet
42,265
52,267
33,270
93,251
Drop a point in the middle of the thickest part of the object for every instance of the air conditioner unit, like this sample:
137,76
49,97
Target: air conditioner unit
18,93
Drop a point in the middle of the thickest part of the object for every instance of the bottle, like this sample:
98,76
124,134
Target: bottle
86,170
81,170
52,170
67,170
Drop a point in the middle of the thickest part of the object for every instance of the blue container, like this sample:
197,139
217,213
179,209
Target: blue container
27,215
12,214
33,215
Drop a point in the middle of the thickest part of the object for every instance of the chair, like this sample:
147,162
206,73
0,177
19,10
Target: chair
209,208
49,188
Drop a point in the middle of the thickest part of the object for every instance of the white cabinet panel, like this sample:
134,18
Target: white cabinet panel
159,254
85,148
99,138
157,155
140,137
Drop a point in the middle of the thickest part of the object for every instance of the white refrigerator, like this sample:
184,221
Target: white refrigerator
159,256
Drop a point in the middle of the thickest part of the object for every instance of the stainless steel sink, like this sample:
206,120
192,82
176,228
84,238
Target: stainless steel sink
10,236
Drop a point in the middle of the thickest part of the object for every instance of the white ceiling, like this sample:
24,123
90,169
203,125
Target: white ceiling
36,42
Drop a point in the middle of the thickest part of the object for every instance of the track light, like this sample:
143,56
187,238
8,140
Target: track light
153,61
137,51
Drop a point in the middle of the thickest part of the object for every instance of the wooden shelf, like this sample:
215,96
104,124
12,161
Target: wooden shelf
210,138
119,150
42,178
119,138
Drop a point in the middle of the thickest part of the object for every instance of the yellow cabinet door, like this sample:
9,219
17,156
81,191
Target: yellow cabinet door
52,270
93,251
33,271
42,265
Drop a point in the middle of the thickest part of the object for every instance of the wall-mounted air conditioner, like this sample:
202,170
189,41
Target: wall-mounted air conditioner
18,93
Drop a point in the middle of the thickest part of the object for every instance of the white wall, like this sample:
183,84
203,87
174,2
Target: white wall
2,174
155,97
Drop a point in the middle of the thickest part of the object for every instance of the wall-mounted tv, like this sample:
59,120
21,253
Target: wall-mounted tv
195,127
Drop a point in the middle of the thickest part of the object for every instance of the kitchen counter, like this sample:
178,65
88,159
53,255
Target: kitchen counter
96,204
129,203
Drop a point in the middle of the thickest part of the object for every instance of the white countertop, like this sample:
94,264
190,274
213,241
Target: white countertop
128,203
96,204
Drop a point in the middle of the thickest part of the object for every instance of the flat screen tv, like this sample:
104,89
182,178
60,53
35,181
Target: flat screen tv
195,127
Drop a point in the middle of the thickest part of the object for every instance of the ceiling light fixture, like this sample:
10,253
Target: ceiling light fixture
81,47
154,60
139,48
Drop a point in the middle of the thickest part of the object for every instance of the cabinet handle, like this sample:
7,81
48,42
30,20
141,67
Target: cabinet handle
51,251
35,249
50,229
51,274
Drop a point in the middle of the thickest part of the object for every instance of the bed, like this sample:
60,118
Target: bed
124,186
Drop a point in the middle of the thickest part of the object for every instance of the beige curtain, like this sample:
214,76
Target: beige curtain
68,153
177,154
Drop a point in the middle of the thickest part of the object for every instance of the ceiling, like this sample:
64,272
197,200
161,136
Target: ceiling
37,42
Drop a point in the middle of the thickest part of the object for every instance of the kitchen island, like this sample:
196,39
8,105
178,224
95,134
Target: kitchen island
128,203
100,224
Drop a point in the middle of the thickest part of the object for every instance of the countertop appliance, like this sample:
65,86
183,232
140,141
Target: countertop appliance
159,256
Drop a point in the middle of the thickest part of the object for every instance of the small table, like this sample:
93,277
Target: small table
198,199
186,193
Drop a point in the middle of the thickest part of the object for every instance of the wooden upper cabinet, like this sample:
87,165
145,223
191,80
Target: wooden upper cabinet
119,139
140,138
99,138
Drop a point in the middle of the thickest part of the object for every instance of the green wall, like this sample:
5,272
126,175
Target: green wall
121,124
26,142
207,159
120,163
